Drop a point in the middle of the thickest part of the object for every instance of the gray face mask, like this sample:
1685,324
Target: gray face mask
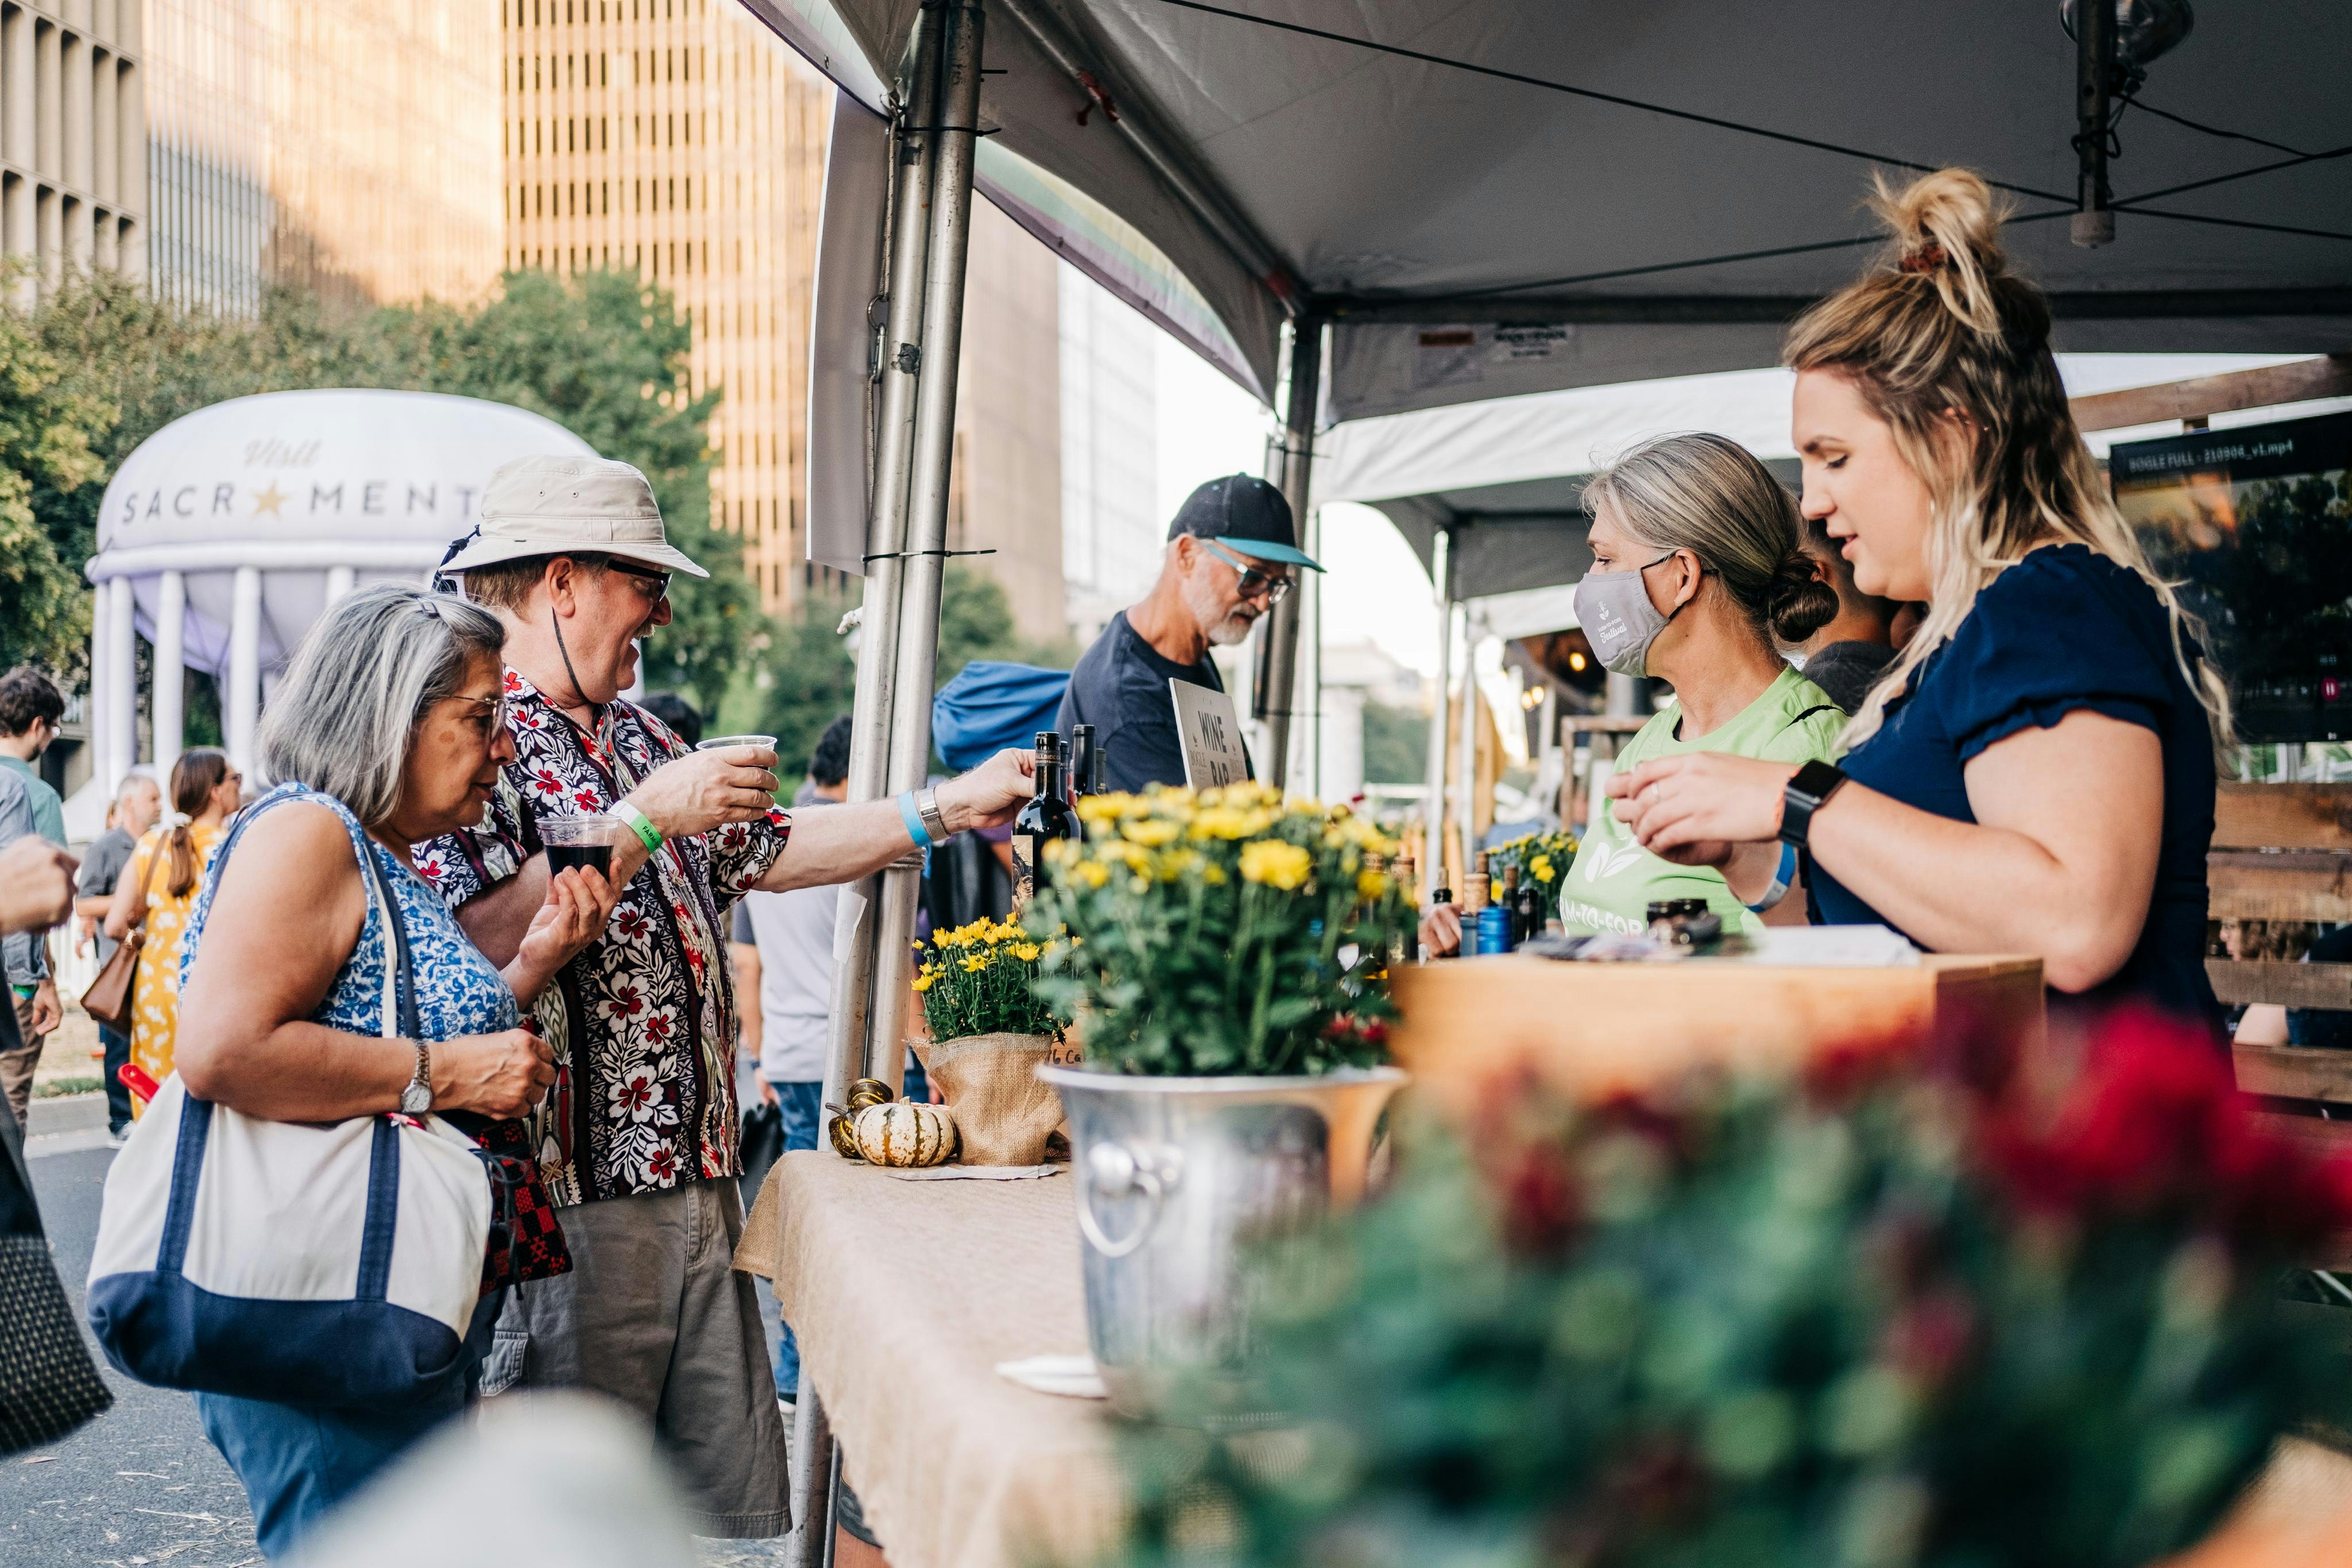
1614,609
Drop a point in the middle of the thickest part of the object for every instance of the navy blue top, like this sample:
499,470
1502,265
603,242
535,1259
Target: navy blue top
2062,630
1120,688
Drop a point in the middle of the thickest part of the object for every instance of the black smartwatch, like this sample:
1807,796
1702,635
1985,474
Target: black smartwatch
1808,791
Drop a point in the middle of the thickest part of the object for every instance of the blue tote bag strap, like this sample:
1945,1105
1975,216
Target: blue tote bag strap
383,1158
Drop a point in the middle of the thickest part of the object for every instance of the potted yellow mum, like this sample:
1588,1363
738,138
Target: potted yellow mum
990,1033
1229,953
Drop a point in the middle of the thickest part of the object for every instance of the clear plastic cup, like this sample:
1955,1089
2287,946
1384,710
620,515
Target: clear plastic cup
720,742
581,840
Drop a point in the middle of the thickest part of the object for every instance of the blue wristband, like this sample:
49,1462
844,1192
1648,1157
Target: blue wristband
1780,880
914,820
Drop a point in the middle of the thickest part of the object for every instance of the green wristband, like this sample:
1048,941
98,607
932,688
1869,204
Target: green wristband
639,824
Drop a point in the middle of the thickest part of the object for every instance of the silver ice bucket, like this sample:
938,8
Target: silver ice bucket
1176,1179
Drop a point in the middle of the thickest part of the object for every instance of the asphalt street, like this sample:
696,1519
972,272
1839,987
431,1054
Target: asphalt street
141,1484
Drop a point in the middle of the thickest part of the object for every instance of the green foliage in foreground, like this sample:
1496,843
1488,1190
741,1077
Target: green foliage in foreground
1889,1318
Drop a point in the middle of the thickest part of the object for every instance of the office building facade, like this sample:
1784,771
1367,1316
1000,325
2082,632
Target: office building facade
347,147
73,167
1111,529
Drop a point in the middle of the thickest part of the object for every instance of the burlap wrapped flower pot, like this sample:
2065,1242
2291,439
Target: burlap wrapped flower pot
990,1084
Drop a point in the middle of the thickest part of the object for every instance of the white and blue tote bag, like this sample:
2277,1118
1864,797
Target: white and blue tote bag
334,1263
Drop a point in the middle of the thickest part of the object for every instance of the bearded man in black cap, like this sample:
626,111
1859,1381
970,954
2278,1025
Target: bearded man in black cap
1232,553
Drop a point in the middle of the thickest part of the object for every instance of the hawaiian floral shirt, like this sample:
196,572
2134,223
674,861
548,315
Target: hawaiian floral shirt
643,1019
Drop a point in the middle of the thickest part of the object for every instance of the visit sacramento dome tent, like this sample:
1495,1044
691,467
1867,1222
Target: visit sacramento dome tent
227,532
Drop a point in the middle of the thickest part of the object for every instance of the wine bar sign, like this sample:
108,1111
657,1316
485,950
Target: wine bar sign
1211,734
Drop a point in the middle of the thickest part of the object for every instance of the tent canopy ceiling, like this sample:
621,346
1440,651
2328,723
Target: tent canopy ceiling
1403,197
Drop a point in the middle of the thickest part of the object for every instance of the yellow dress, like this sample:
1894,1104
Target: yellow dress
155,987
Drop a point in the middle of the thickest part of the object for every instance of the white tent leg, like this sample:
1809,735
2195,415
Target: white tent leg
121,681
1432,799
1277,662
1466,756
878,651
165,702
241,704
99,709
926,514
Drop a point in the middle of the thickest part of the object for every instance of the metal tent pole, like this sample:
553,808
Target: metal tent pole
1465,803
1433,802
1278,652
958,137
816,1469
886,540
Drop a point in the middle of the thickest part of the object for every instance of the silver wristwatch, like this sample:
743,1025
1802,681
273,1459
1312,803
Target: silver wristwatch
927,806
418,1098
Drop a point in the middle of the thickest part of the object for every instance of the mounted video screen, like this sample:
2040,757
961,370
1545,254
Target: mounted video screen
2256,524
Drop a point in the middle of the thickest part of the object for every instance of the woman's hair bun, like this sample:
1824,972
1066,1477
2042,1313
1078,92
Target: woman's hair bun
1800,602
1947,229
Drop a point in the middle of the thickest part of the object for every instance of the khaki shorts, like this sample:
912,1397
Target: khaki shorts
654,1314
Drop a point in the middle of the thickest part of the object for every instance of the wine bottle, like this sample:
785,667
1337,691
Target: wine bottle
1508,899
1475,885
1440,898
1082,760
1408,943
1045,817
1530,905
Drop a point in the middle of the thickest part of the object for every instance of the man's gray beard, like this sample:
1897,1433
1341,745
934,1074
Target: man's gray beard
1232,628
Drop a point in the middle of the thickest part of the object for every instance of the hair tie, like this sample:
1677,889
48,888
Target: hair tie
1927,258
172,822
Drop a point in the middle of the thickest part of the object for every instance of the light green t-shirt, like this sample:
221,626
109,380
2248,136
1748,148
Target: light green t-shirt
1614,880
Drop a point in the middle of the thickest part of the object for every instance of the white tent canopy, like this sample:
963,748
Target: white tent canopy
1487,198
1506,476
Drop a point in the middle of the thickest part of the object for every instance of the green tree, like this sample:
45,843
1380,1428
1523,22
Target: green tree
52,425
603,354
798,682
1396,744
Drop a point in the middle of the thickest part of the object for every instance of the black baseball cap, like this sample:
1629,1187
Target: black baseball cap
1246,515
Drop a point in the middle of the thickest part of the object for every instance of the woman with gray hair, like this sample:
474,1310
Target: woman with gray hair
387,730
1699,572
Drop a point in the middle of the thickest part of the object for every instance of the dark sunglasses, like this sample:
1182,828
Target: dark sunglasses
659,579
1253,581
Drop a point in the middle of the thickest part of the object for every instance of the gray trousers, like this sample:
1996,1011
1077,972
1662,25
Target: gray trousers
653,1314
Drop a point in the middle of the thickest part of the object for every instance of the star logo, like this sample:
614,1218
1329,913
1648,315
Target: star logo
269,500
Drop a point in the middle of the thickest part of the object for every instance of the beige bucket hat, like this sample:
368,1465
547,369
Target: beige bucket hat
555,506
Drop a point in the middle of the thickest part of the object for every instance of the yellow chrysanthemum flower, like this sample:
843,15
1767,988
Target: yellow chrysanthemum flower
1276,864
1372,883
1026,951
975,966
1151,832
1090,873
1542,868
1221,823
923,982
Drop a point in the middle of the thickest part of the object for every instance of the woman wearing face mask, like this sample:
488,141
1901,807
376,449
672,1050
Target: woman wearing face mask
2034,774
1698,564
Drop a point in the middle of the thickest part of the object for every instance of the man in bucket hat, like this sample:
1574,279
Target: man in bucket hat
637,1139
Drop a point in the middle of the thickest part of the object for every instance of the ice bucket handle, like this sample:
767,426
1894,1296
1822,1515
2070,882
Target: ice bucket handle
1118,1168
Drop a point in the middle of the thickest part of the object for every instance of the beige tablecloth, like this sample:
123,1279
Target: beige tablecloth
905,1296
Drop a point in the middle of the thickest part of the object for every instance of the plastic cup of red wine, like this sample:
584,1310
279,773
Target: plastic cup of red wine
580,841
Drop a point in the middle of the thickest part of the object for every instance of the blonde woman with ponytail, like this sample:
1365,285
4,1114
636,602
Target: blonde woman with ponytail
2035,773
166,868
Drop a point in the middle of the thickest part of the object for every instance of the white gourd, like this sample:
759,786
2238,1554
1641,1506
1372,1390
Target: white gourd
906,1133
